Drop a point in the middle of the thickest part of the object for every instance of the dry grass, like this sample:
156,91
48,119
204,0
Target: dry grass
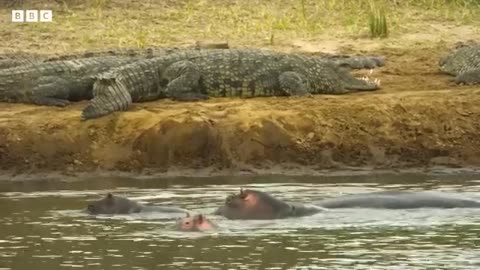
110,23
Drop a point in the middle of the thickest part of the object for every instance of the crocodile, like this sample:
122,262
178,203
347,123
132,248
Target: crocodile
463,63
54,83
197,75
349,61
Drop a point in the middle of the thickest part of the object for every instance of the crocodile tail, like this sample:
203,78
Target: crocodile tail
109,95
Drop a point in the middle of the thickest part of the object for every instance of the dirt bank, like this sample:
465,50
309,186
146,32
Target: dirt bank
419,118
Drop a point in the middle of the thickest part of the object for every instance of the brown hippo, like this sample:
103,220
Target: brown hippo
196,223
254,204
112,204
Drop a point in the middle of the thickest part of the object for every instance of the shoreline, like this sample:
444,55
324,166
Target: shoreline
211,174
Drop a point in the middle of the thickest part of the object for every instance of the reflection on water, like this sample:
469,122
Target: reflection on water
42,227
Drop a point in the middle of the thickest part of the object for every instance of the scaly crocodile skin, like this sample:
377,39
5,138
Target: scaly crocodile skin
192,75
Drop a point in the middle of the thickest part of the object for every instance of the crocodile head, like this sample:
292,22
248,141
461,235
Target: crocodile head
460,60
469,77
331,78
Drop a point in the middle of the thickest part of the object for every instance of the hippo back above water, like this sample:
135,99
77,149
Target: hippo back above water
112,205
254,204
399,200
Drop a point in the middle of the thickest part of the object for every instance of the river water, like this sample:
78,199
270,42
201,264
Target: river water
42,226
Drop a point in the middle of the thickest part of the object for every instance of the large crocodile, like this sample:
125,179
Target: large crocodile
464,63
194,75
54,83
20,58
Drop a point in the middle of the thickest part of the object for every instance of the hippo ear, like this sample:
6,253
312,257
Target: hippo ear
109,196
200,219
243,195
188,215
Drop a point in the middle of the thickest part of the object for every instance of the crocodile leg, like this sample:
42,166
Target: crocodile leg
184,78
469,77
116,89
110,95
294,84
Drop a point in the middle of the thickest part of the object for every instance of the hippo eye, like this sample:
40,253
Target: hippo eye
229,199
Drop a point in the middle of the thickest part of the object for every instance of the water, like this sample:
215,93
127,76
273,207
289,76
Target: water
42,227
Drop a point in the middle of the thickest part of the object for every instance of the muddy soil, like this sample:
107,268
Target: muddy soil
419,118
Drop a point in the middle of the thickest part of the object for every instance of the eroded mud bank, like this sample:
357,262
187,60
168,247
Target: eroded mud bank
405,129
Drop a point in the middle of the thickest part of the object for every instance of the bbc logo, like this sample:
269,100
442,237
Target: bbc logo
32,15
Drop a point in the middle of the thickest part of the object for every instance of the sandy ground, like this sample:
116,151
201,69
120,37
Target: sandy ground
419,118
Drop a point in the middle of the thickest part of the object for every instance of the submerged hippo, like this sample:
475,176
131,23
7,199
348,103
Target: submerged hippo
196,223
399,200
254,204
112,204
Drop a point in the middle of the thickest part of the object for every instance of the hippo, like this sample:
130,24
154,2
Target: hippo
399,200
195,223
254,204
112,204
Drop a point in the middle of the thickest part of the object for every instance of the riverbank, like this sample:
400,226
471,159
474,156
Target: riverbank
382,130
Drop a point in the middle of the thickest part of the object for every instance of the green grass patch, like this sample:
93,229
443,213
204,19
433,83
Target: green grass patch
108,23
377,20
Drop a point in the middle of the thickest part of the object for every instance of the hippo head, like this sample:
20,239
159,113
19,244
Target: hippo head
251,204
103,206
195,223
111,204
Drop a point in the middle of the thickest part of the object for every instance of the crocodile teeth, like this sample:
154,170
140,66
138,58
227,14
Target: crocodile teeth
369,80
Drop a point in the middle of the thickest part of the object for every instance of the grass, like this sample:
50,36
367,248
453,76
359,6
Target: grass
106,23
377,20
